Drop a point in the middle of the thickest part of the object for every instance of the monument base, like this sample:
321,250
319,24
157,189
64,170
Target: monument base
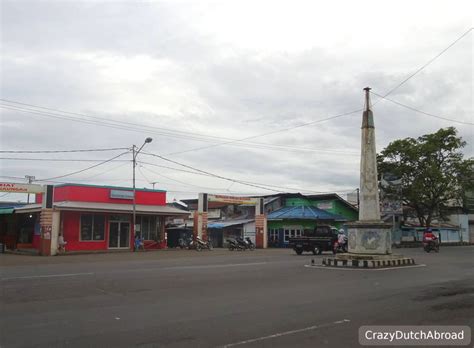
370,238
370,246
367,261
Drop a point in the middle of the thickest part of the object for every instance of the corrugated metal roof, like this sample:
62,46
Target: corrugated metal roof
302,212
227,223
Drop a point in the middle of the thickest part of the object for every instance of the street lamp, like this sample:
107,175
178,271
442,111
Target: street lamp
135,154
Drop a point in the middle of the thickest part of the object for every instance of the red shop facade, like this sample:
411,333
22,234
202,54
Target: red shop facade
94,218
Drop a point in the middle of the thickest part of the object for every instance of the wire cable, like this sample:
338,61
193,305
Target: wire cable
247,183
83,170
426,64
56,159
267,133
63,151
175,134
422,112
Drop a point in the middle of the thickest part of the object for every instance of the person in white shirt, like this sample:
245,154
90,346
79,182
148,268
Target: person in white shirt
61,243
341,238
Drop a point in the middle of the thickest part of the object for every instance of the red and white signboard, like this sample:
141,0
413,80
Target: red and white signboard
20,188
232,199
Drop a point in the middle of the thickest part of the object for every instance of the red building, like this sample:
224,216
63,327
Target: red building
89,218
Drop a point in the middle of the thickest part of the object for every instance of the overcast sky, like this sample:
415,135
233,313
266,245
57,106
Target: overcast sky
195,74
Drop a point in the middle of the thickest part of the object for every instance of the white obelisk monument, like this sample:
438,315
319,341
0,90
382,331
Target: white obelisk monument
369,235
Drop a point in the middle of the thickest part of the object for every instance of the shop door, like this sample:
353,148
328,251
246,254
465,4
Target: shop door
119,234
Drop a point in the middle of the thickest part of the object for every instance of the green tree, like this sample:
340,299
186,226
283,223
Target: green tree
432,170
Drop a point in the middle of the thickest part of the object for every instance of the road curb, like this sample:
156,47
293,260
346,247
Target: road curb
333,262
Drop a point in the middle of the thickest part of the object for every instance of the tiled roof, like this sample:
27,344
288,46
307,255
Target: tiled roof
302,212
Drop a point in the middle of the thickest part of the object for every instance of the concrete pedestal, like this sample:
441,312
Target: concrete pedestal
367,237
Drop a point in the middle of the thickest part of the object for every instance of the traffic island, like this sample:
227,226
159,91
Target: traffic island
367,261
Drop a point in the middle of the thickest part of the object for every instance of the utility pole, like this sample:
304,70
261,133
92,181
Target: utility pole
358,199
153,183
30,179
135,154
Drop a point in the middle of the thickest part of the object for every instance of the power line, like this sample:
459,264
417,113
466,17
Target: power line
56,159
426,64
172,168
247,183
85,169
267,133
105,119
204,172
422,112
175,134
63,151
178,181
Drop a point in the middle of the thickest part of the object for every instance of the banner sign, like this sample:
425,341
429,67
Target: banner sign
20,188
121,194
232,199
324,205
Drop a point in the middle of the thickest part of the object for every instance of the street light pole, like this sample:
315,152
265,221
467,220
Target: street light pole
135,154
30,179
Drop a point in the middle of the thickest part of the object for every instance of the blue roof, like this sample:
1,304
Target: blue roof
302,212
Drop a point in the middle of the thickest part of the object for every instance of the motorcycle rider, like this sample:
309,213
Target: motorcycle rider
341,239
429,236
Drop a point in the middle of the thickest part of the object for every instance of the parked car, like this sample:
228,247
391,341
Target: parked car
322,238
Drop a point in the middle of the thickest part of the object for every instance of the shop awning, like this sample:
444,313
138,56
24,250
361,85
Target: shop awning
121,208
28,208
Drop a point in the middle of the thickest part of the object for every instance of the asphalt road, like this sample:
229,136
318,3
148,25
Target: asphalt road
221,298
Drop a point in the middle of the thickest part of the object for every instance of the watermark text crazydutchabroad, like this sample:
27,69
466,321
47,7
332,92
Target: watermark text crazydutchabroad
414,335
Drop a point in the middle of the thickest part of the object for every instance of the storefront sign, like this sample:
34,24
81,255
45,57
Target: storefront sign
20,188
232,199
324,205
121,194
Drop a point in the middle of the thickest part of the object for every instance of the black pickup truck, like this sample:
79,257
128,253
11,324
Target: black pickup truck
322,238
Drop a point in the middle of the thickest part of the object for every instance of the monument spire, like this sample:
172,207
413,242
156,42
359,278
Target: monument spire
369,209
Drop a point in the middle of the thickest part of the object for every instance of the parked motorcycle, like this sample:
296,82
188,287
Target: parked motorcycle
234,245
245,243
200,244
185,243
250,243
431,245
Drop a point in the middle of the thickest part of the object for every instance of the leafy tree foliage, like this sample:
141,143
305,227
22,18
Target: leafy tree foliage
433,172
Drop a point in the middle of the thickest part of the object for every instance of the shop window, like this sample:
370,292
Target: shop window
149,227
273,235
92,227
292,232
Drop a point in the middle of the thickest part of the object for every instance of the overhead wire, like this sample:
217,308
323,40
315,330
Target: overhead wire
57,159
64,151
178,181
83,170
426,64
267,133
247,183
422,112
174,134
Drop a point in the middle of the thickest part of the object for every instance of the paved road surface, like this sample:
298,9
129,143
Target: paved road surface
220,298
